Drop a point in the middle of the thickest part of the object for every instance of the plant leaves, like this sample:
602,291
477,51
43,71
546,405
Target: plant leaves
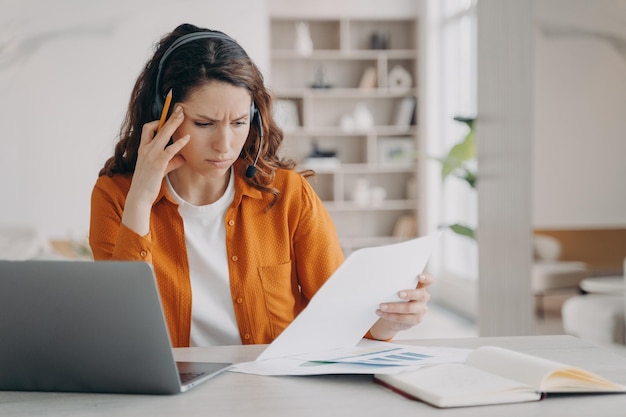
467,176
465,150
469,121
458,155
463,230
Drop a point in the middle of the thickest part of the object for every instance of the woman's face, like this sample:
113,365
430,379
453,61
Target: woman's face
217,118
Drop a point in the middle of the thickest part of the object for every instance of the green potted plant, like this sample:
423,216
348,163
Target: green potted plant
458,163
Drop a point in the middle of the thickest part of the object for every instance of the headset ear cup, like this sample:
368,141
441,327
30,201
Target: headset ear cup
253,112
255,116
259,123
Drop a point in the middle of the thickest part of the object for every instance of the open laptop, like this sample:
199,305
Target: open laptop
82,326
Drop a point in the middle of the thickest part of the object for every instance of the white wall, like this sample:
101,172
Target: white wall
579,126
67,67
349,8
580,114
66,71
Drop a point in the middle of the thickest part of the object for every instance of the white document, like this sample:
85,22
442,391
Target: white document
344,308
368,357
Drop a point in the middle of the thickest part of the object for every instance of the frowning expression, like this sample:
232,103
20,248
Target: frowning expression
217,118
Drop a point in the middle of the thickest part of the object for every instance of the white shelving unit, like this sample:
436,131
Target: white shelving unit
324,87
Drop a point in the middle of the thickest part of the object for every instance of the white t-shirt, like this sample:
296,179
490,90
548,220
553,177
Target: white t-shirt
213,319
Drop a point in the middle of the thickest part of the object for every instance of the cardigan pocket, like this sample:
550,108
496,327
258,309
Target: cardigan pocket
280,290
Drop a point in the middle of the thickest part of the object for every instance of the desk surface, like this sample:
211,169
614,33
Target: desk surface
233,394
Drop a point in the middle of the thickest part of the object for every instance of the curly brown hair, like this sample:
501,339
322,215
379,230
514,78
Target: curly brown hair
186,68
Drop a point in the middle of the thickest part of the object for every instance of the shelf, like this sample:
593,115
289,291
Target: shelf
369,168
363,117
332,131
352,244
344,92
385,205
333,54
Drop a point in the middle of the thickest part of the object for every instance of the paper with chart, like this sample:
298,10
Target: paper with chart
344,309
368,357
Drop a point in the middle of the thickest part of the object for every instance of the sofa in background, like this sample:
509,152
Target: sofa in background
597,317
551,275
20,243
603,250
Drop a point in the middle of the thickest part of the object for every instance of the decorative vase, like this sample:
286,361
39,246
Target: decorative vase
363,118
304,42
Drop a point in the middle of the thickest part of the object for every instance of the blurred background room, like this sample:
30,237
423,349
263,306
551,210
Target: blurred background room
526,97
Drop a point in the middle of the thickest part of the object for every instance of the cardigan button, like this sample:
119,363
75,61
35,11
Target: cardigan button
235,258
247,336
143,253
239,300
231,222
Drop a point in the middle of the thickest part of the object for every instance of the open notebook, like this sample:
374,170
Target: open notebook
81,326
495,375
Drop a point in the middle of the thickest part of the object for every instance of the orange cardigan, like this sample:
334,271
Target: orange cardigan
277,259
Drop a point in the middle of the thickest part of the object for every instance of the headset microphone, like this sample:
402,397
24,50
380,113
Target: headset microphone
251,170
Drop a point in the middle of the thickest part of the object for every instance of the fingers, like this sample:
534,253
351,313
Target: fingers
154,153
173,122
418,294
402,315
407,316
176,160
162,137
155,159
424,280
414,299
410,311
403,321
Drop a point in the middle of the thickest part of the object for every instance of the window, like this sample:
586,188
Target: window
451,79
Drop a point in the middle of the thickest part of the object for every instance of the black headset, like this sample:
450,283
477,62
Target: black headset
157,105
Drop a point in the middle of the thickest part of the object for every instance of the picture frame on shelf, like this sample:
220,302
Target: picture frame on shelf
396,150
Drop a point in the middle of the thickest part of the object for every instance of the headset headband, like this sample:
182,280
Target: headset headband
158,99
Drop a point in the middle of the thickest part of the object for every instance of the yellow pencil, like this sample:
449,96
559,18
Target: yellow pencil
166,108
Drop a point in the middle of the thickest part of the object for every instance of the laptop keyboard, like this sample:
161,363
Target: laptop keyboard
185,377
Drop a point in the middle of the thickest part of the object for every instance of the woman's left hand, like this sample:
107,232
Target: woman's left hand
402,315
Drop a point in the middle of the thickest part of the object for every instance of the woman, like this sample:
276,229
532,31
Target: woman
238,240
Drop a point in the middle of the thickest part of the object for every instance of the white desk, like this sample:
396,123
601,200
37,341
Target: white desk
233,394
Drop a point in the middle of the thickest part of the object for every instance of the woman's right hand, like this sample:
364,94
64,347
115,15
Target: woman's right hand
154,160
